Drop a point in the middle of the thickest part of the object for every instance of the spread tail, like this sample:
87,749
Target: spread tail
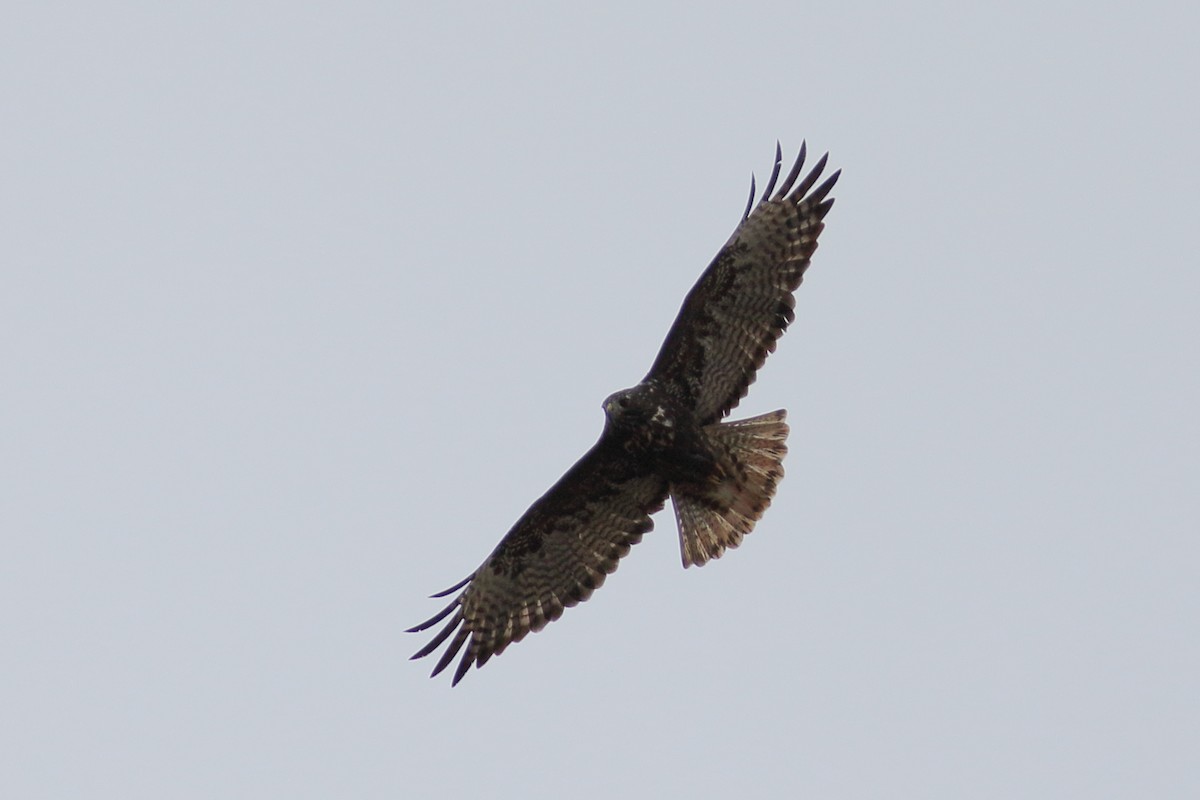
716,514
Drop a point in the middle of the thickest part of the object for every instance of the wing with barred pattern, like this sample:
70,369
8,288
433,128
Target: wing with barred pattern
743,302
555,556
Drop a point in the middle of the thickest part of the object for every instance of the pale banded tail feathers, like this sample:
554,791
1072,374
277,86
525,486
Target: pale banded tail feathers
715,515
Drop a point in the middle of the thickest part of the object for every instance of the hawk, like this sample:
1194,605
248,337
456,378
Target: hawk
664,437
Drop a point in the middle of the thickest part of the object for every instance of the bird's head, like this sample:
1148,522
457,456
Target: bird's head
638,408
620,406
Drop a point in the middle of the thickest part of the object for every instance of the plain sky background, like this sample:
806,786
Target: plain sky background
303,304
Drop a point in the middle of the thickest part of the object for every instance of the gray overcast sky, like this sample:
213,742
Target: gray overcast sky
305,303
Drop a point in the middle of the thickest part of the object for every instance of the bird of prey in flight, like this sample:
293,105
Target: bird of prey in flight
665,437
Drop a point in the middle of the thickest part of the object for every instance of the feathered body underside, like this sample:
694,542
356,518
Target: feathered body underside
662,438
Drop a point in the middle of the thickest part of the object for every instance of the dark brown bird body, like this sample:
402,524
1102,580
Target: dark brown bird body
661,433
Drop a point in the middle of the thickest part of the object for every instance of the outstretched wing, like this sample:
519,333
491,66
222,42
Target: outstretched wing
743,302
555,556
